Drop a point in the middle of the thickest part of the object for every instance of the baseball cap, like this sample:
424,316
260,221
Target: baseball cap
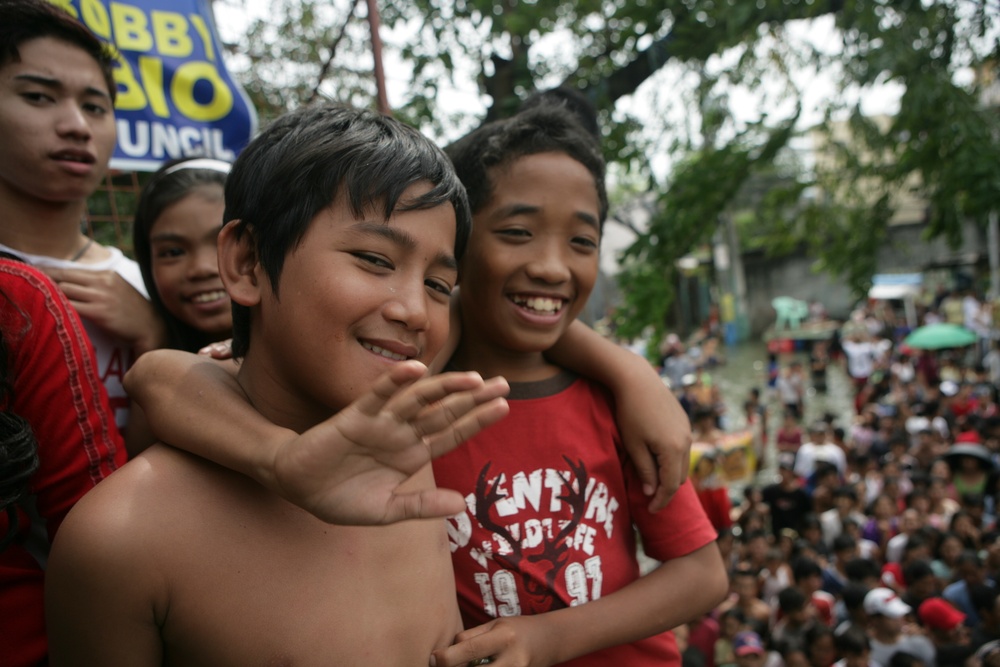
885,602
745,643
938,614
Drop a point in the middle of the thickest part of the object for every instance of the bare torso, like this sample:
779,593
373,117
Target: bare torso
237,576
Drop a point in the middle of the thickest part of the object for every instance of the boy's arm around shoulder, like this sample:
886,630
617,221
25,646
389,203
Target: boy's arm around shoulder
351,468
102,589
654,427
677,591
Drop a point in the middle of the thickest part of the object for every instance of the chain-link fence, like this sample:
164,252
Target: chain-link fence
111,209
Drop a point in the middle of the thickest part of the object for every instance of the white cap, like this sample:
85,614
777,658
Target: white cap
885,602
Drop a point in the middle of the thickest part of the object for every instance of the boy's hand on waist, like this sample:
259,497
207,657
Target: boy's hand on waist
357,466
513,641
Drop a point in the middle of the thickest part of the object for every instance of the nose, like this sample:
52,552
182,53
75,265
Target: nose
73,121
548,263
204,263
407,305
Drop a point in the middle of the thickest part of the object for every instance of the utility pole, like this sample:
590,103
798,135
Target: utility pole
374,25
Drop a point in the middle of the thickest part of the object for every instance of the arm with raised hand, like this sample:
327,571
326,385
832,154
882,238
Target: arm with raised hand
655,429
347,469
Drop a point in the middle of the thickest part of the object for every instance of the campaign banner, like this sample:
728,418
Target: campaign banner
175,97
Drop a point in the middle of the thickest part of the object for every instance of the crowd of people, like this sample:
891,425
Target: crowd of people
871,540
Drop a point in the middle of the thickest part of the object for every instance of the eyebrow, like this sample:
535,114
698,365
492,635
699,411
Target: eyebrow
49,82
527,209
402,239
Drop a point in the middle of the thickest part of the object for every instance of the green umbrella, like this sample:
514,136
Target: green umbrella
939,336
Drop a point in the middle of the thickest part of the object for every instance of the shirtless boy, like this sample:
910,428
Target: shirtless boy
340,252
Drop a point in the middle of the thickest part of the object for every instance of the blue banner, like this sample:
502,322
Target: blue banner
175,96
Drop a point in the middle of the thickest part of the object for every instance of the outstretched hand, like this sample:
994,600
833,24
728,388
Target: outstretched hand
354,468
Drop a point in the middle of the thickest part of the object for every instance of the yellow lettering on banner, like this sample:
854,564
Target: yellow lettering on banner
66,6
131,28
170,31
130,95
95,15
182,92
151,73
206,37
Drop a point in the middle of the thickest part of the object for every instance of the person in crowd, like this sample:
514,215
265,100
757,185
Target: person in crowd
745,596
854,648
946,629
821,650
886,613
787,501
58,125
969,573
819,448
748,649
175,232
731,623
808,577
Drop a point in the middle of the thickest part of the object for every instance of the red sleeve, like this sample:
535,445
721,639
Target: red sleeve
679,529
56,388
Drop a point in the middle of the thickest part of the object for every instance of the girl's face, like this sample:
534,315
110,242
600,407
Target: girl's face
185,262
951,549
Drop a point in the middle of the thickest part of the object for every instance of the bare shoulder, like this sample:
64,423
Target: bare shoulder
117,518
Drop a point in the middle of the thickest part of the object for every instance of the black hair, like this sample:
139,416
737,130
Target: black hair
306,159
916,570
169,185
983,597
791,599
843,542
853,594
904,659
858,569
546,128
24,20
803,567
852,641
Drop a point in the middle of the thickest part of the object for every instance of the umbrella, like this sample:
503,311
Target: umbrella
939,336
977,452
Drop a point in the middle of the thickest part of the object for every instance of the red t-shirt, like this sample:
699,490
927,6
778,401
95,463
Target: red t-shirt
57,390
551,503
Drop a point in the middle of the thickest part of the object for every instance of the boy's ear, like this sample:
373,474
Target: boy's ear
238,266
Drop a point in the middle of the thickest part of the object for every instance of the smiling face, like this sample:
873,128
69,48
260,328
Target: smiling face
57,123
185,262
355,297
531,264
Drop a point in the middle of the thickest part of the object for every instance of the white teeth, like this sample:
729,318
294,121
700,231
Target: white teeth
541,304
384,352
205,297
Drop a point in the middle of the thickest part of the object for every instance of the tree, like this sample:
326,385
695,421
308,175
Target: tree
610,50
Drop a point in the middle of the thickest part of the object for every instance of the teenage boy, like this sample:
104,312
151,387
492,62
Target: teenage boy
544,554
340,252
57,122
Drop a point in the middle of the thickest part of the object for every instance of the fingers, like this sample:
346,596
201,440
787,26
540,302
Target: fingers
672,473
471,647
463,428
427,504
222,349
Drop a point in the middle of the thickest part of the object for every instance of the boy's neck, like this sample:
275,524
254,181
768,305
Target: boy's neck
41,228
277,404
490,361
